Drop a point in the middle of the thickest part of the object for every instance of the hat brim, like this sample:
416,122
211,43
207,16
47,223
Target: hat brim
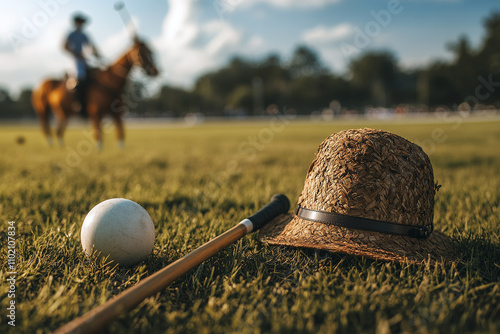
80,19
290,230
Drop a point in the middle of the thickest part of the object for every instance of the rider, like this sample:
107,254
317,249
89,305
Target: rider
75,44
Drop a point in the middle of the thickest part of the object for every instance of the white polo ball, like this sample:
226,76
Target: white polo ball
118,228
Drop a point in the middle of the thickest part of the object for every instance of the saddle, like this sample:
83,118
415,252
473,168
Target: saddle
71,81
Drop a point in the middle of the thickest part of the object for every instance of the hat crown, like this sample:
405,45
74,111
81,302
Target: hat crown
371,174
79,17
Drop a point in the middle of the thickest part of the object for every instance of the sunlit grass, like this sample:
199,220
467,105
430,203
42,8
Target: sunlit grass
197,182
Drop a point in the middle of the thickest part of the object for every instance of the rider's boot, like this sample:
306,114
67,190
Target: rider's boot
81,95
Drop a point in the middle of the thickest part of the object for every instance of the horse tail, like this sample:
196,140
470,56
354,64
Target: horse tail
40,96
41,104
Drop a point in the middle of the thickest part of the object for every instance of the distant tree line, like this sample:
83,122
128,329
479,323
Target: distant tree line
303,84
16,108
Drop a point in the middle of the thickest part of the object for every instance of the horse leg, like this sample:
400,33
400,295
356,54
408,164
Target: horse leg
96,124
62,121
43,117
120,133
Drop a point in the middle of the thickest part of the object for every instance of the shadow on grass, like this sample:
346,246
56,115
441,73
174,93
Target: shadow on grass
198,204
475,254
473,161
242,269
181,202
479,253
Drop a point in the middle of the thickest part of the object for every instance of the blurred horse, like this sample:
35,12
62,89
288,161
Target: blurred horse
104,94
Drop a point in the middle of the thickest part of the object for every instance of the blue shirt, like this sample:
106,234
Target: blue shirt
76,40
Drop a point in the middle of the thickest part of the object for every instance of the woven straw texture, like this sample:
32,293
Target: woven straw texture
371,174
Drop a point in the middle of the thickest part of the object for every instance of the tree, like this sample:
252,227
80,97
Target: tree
23,105
490,51
305,62
461,49
436,86
240,98
174,101
374,73
6,104
488,57
461,73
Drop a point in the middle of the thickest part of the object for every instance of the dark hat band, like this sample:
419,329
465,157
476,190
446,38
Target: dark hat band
79,17
358,223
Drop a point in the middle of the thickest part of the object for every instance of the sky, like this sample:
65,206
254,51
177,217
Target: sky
192,37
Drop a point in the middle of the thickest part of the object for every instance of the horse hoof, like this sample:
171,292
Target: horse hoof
121,144
99,145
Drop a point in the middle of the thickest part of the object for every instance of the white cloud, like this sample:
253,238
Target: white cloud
116,45
224,35
256,42
29,60
177,30
325,35
33,58
326,40
286,3
188,47
185,48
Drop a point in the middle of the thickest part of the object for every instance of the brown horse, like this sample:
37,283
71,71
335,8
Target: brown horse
104,94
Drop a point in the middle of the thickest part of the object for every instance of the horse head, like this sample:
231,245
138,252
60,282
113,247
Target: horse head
143,57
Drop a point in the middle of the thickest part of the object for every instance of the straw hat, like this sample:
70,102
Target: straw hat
370,193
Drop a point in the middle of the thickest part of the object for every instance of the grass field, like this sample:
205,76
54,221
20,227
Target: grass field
197,182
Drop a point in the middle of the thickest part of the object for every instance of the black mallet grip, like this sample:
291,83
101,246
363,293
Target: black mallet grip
279,204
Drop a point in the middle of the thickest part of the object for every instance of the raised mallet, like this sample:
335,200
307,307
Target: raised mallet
126,18
96,319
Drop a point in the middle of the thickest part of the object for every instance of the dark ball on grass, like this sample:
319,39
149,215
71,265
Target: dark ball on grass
20,140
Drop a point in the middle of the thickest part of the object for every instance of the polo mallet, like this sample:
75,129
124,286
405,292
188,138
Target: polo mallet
96,319
126,18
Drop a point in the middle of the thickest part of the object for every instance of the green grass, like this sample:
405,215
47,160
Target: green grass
197,182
